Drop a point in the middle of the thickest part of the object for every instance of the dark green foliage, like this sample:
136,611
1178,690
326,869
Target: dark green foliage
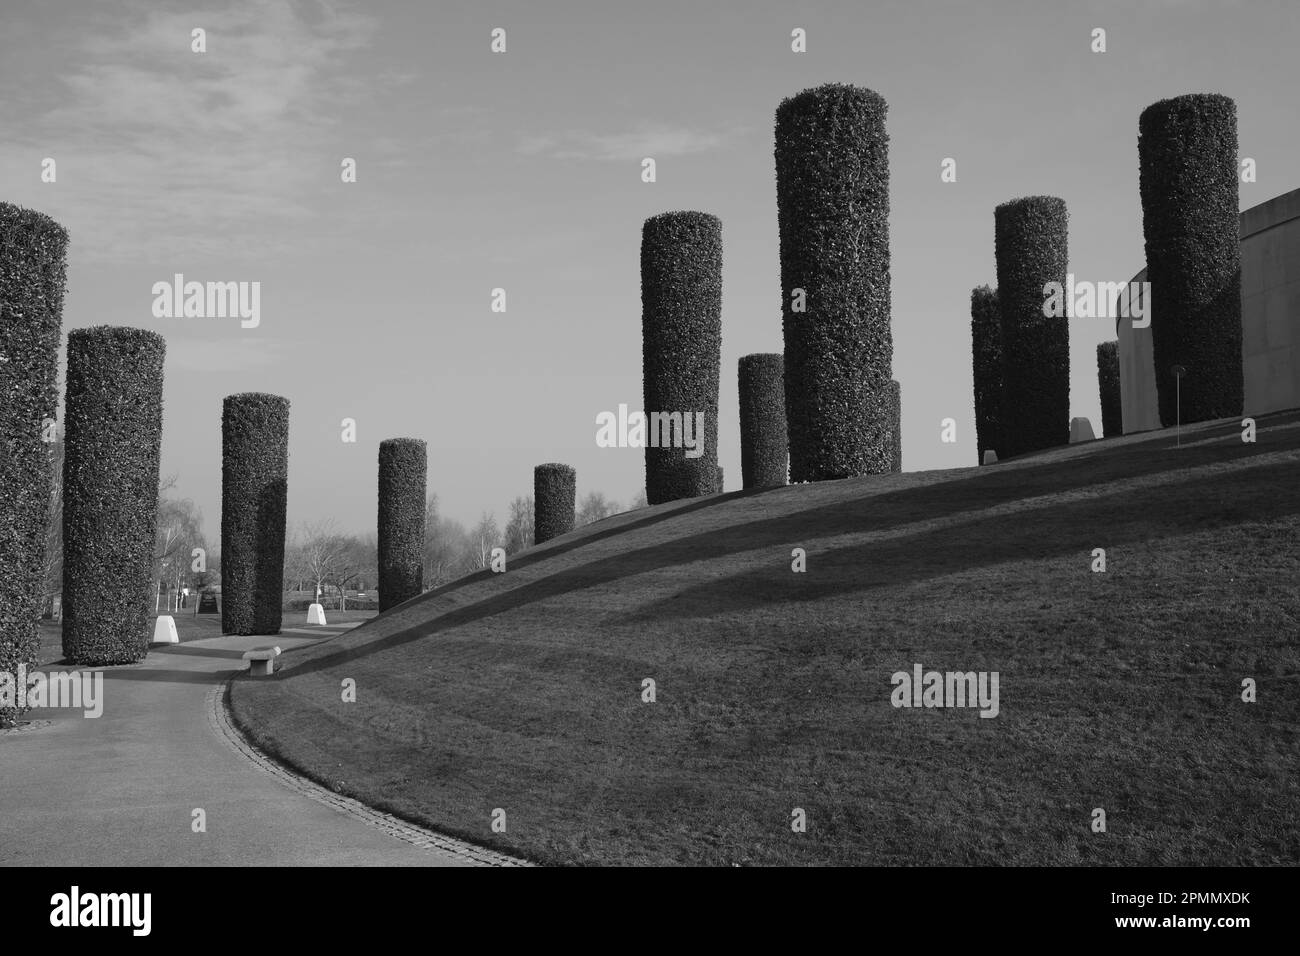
986,359
1187,157
832,188
1031,239
681,343
555,495
112,448
1112,417
33,269
403,467
254,496
764,445
896,409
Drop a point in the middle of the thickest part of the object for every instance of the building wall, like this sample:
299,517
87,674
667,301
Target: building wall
1270,321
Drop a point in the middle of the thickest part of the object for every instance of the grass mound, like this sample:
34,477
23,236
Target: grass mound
1119,690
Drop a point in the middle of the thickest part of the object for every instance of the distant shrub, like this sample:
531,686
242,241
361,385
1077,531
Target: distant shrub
764,444
1112,418
111,454
832,188
555,493
403,469
33,271
1032,239
681,342
254,495
986,357
1187,158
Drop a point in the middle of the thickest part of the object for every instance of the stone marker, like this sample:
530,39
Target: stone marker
316,614
164,630
266,656
990,456
1081,430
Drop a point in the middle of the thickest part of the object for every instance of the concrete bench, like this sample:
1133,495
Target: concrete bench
265,655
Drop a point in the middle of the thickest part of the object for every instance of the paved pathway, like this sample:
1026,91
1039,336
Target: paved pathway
120,789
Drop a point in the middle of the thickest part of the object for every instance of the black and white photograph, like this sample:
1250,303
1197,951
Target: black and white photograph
838,435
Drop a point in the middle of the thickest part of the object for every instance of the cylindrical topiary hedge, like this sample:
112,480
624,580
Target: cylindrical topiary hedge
764,443
33,270
896,416
254,496
1031,243
832,189
986,361
1112,418
1187,157
681,349
112,449
555,495
403,469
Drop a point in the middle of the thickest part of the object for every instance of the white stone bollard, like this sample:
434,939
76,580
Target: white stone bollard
315,614
164,630
1081,430
990,456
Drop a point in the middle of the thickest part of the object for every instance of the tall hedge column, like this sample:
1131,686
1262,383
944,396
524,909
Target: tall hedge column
896,417
555,496
254,495
986,359
832,189
764,442
33,267
1112,416
681,347
111,457
1187,157
1031,243
403,469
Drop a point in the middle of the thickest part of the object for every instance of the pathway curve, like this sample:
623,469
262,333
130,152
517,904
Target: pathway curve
120,789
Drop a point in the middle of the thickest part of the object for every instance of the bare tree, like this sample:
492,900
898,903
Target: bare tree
446,546
53,576
180,531
519,529
485,536
593,507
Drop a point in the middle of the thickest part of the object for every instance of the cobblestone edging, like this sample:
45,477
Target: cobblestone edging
224,727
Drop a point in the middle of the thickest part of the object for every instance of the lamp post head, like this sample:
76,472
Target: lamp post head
1178,371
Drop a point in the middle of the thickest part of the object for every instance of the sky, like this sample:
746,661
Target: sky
522,170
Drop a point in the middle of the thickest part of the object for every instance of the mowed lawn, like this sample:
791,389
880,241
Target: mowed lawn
1119,690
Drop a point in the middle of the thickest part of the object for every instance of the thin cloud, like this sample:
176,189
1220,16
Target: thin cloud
164,151
656,140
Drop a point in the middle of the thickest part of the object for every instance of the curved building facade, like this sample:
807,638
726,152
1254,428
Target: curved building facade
1270,321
